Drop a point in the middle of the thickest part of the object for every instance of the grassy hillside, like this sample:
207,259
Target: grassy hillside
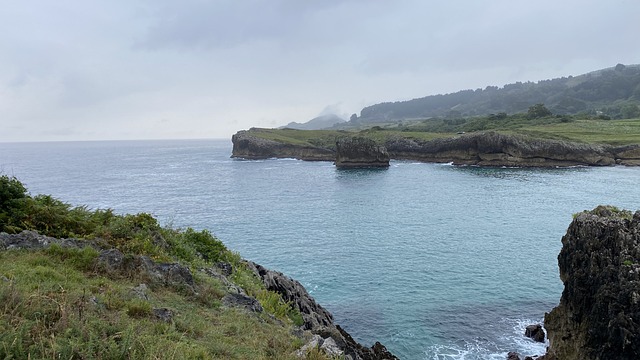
572,128
56,302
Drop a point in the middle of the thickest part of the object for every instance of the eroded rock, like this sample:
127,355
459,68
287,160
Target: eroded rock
359,152
599,312
535,332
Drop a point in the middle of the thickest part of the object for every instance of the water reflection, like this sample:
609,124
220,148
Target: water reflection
359,173
520,174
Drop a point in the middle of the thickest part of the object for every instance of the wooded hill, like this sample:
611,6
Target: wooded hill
608,93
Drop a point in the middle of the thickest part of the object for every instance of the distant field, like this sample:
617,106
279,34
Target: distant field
613,132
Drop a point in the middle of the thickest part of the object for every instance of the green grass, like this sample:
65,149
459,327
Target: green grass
571,128
57,309
612,132
56,303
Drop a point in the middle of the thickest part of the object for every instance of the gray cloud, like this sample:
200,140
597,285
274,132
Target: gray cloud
108,69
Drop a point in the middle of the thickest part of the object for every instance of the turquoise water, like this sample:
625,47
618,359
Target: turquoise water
434,261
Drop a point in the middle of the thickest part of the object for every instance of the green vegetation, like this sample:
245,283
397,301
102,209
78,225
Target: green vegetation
612,93
56,303
577,128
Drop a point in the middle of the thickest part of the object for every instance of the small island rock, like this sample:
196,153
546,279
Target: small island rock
359,152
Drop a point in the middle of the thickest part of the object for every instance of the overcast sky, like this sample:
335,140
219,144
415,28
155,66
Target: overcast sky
156,69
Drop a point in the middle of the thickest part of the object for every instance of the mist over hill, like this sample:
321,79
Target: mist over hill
613,92
317,123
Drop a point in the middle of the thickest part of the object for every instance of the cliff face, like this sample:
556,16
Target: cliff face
247,146
481,148
494,149
358,152
599,312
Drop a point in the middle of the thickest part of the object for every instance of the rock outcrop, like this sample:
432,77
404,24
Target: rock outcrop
332,339
495,149
317,319
248,146
535,332
359,152
599,312
479,148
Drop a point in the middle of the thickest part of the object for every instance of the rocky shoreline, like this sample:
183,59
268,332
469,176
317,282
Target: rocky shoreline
598,316
317,331
481,149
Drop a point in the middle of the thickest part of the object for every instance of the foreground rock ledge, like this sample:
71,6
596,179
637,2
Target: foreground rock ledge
599,312
317,320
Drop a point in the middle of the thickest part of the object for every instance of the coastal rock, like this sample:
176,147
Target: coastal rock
242,301
171,275
535,332
495,149
31,240
627,155
599,312
359,152
486,148
315,316
247,146
513,356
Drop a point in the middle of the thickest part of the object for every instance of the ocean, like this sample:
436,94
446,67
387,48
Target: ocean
433,260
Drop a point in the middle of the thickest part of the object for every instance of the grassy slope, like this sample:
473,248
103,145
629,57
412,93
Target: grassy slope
55,303
613,132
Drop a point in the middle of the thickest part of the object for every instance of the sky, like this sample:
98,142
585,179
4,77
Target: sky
165,69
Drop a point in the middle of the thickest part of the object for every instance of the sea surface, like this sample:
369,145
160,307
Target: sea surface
433,260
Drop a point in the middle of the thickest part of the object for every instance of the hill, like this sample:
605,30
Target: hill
613,93
317,123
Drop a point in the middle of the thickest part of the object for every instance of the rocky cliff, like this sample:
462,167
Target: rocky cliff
480,148
359,152
248,146
599,312
495,149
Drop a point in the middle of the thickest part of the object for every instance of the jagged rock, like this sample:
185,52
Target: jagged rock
314,315
217,273
599,312
316,318
330,348
357,351
31,240
225,268
535,332
171,275
359,152
247,146
140,291
512,355
163,314
242,301
314,342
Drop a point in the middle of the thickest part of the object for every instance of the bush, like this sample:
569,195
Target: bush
13,197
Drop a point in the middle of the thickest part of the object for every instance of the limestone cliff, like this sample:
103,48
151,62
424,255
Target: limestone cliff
495,149
479,148
599,312
248,146
359,152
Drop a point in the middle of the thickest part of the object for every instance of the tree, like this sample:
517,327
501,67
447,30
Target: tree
538,111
